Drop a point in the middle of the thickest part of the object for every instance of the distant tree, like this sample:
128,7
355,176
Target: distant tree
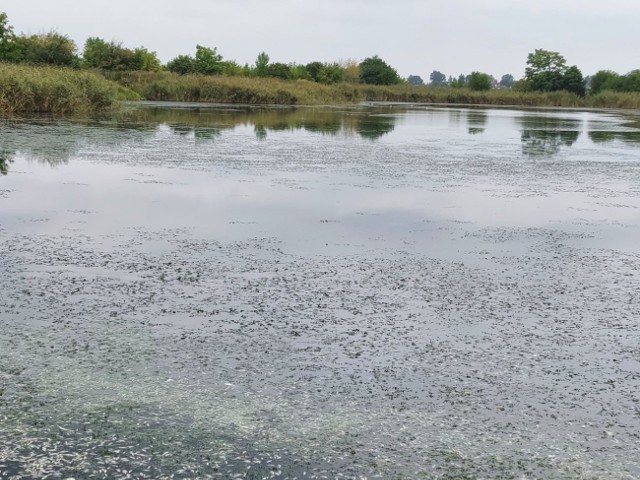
261,64
208,61
545,70
415,80
437,79
629,82
182,64
98,53
573,81
49,48
350,70
375,71
279,70
330,73
480,81
327,73
506,81
602,80
299,72
314,70
230,68
7,40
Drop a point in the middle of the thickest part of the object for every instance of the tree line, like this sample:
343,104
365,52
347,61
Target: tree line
546,71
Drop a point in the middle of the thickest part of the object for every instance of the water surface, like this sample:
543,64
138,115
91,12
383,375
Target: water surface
383,292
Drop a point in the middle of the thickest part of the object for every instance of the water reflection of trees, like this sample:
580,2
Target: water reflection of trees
611,136
55,141
476,121
545,136
369,124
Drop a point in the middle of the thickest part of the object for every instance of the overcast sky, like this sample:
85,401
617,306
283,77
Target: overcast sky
416,37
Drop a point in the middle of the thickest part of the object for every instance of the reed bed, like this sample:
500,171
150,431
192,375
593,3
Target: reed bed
67,91
247,90
52,90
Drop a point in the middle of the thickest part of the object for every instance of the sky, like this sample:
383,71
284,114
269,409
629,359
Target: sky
415,37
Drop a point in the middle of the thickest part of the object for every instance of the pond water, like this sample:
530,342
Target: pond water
364,292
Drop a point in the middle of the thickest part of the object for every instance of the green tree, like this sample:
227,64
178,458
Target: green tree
545,70
375,71
278,70
506,81
182,64
437,79
314,70
415,80
479,81
49,48
146,60
7,40
603,80
230,68
330,73
208,61
261,64
630,82
98,53
573,81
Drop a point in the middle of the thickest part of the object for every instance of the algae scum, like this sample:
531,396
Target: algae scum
386,292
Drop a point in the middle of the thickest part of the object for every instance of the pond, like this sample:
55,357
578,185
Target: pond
385,291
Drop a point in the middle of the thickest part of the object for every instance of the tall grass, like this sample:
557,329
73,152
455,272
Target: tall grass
64,91
41,89
247,90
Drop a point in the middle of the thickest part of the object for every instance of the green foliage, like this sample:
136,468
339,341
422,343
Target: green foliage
630,82
573,81
327,73
231,69
479,81
208,61
278,70
507,81
415,80
49,48
314,70
145,60
299,72
98,53
437,79
604,80
330,73
545,70
261,64
7,39
182,65
375,71
607,80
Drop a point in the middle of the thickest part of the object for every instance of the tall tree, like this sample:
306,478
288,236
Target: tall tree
479,81
545,70
7,39
415,80
262,62
208,61
506,81
437,79
375,71
573,81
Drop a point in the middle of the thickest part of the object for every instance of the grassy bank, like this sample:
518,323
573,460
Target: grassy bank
66,91
218,89
51,90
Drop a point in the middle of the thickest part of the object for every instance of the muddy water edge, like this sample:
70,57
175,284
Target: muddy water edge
382,292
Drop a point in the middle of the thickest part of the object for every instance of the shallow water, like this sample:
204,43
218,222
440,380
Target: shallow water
383,292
